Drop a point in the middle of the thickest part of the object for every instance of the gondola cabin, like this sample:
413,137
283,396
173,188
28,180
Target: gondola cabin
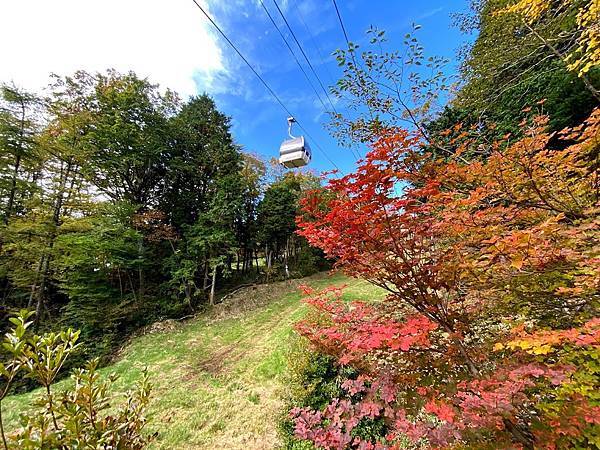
294,152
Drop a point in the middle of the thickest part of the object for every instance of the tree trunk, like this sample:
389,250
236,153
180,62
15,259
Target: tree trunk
35,281
268,256
120,284
520,434
40,292
141,280
285,256
13,189
205,281
267,260
188,295
58,203
44,266
247,260
213,286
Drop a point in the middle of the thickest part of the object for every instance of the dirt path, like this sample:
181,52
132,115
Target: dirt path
255,425
235,363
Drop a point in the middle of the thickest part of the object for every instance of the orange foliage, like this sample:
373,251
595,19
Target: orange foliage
467,251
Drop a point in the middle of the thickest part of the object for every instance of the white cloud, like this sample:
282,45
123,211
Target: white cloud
430,13
165,40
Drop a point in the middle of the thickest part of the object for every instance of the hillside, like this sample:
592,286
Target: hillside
218,378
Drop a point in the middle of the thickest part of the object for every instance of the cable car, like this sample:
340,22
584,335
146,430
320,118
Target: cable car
294,152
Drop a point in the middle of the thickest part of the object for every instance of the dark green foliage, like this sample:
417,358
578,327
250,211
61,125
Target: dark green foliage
96,269
509,67
314,379
286,253
371,429
310,260
277,212
204,193
202,160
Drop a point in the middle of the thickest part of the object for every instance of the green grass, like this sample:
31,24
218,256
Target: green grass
218,378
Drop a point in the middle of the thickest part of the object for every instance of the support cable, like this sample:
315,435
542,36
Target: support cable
304,54
293,54
266,85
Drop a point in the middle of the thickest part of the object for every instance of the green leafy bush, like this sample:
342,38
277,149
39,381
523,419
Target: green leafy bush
313,380
80,417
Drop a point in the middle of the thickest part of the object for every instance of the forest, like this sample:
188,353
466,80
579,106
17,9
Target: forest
475,212
122,205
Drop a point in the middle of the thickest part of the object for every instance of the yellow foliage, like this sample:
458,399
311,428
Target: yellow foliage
544,342
529,10
531,346
586,54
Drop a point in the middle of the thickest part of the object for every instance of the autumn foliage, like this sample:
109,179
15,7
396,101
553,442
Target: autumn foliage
489,336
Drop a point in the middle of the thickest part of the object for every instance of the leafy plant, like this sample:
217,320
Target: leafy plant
79,417
14,344
470,252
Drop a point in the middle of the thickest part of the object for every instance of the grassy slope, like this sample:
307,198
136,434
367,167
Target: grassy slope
218,378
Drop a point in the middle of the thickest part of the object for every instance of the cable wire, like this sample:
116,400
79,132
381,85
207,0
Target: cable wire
293,54
354,151
337,11
356,154
304,54
314,41
222,33
341,22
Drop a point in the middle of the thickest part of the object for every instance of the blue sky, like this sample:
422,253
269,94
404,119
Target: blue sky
259,122
171,43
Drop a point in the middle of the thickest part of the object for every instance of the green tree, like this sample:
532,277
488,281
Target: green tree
125,140
19,123
277,213
29,247
276,220
252,177
201,159
97,263
202,193
124,129
513,64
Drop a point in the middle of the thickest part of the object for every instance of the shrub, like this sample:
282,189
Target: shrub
80,417
313,380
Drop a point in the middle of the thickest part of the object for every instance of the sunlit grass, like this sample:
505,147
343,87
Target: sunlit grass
217,378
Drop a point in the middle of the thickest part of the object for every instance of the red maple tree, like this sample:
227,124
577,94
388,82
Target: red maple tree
471,254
